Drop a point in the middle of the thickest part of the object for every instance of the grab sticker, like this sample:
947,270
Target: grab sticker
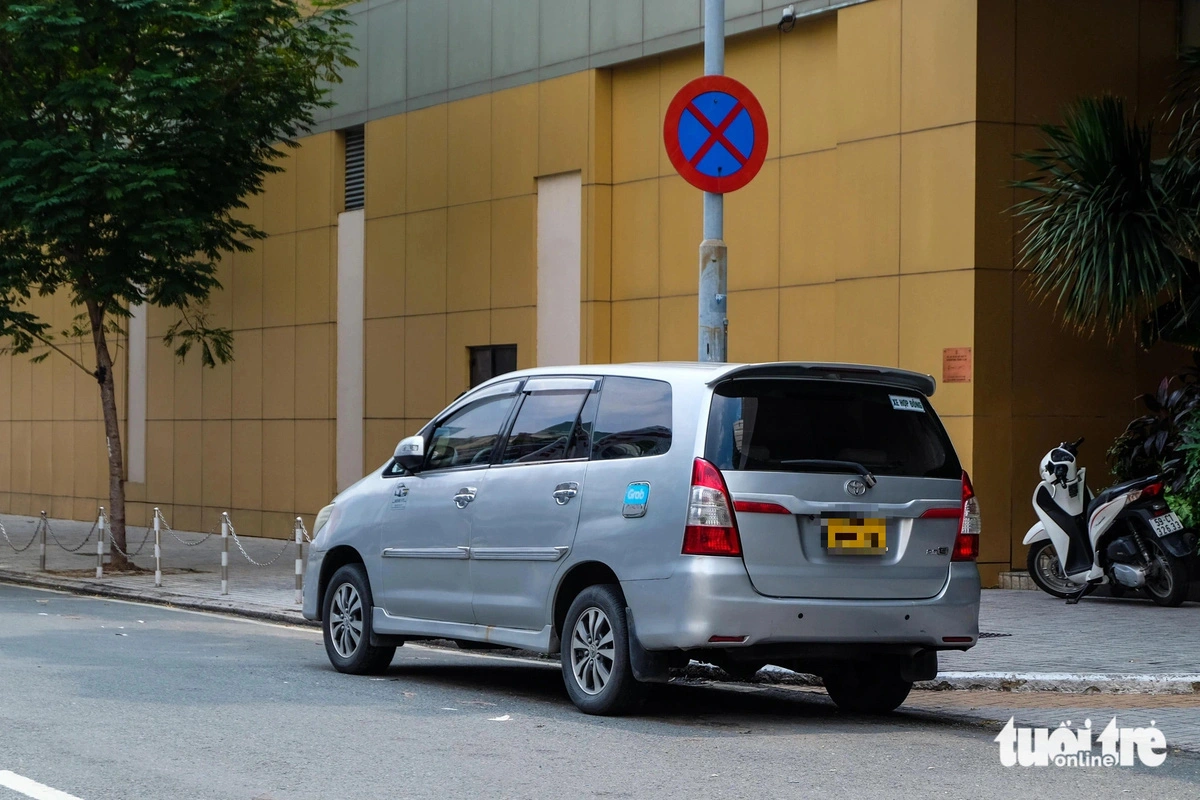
906,403
637,496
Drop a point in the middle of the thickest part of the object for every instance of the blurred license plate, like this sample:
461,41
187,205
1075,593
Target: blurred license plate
1166,524
854,536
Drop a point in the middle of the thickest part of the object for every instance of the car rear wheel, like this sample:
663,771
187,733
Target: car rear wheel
595,653
867,688
346,624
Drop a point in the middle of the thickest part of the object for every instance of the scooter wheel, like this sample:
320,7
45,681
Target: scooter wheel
1047,573
1167,579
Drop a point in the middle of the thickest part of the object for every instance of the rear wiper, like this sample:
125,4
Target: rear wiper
829,465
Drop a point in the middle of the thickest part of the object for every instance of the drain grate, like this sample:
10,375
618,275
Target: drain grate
993,635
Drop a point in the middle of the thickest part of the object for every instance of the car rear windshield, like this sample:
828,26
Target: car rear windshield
782,424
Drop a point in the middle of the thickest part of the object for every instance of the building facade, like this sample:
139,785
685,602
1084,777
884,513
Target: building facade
507,156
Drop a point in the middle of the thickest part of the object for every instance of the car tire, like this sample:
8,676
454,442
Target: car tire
1046,571
346,624
595,654
867,688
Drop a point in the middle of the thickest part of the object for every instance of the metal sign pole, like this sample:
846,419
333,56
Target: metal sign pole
713,254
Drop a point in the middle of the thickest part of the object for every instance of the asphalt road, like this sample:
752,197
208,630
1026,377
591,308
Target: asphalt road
104,699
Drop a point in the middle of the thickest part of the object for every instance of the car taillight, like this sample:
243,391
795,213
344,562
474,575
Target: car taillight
711,527
966,544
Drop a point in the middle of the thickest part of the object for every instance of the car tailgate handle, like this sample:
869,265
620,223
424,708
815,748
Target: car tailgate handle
464,496
565,491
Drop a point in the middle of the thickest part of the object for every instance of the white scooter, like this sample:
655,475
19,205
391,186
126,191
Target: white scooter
1126,536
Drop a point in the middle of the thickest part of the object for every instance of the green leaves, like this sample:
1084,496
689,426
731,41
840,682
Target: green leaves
130,131
1107,231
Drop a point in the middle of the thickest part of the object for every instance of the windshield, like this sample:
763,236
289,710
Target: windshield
804,425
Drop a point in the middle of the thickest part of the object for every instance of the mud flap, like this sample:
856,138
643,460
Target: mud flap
649,666
923,666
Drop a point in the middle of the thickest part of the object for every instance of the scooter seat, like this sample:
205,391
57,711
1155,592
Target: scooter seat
1117,490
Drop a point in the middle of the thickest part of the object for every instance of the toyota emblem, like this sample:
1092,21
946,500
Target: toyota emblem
855,487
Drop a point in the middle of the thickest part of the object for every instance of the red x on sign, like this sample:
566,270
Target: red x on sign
715,133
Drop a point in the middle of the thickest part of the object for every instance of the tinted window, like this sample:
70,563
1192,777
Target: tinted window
634,419
779,424
544,427
488,362
469,436
581,440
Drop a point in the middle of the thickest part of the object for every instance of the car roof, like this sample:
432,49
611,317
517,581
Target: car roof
699,374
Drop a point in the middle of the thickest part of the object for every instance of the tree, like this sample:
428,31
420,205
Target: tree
130,132
1111,233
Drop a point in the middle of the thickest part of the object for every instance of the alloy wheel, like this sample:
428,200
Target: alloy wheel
346,620
592,650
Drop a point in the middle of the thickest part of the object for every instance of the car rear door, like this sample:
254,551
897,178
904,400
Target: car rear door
842,489
525,522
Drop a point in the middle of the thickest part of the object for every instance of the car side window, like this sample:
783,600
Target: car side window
581,439
544,428
469,436
633,420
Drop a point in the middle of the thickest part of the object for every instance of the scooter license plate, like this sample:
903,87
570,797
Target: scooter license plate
1166,524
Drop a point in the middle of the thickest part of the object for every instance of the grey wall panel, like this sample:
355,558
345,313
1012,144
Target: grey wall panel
665,17
514,36
564,30
740,8
350,96
415,53
470,41
385,28
615,23
428,47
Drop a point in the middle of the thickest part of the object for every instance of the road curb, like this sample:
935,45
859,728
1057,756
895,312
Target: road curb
172,601
1065,682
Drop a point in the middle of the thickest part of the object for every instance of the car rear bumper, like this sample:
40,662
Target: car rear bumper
712,596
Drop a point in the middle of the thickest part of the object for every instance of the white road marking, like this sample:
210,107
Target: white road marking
31,788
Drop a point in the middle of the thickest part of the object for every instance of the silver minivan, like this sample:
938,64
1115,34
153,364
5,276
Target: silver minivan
632,517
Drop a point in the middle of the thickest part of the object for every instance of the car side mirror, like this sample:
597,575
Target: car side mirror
410,453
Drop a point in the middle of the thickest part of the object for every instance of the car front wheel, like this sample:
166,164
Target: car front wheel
346,624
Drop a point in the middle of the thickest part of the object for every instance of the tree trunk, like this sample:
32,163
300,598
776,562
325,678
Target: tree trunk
112,431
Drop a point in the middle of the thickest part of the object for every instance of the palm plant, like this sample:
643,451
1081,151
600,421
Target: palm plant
1112,234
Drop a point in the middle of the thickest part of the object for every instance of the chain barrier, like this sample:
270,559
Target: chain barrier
104,543
238,542
175,536
76,549
141,546
32,539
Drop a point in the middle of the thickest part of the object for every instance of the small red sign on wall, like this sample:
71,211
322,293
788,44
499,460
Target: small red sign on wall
956,365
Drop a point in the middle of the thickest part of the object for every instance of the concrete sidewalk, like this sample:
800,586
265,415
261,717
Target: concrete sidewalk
1029,640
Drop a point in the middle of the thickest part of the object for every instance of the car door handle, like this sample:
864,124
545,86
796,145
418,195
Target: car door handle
564,492
464,496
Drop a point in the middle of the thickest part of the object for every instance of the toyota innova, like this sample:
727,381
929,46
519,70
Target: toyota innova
633,517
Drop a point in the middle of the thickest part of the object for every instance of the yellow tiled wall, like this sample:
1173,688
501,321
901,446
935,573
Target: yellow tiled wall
52,453
878,231
451,239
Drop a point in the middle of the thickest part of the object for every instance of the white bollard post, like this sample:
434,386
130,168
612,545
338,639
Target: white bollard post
100,544
42,553
224,552
299,528
157,551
